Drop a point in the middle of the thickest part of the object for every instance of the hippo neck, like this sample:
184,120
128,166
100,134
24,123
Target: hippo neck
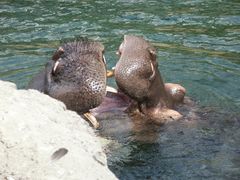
160,97
164,100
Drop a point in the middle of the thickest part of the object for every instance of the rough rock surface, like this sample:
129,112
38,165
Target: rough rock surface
40,139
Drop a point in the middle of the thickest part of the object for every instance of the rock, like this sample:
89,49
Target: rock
40,139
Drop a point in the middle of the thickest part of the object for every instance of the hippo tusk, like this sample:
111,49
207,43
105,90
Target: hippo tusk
92,119
153,72
111,89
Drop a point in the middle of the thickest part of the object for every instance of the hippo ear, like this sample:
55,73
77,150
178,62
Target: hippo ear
120,49
57,67
104,59
57,54
54,69
122,45
153,53
153,71
153,62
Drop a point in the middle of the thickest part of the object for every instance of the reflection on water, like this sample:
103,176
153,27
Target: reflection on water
203,145
198,44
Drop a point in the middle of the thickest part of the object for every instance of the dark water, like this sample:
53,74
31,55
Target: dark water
198,46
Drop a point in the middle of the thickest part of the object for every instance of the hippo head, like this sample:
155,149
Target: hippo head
137,72
137,76
77,75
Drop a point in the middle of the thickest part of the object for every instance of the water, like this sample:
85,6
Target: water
198,46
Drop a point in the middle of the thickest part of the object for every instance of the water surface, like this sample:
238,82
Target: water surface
198,45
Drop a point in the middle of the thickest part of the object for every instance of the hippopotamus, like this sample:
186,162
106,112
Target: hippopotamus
137,76
76,75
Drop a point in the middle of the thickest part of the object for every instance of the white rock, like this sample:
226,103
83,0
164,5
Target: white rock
33,126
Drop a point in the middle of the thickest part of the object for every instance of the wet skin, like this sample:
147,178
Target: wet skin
138,77
76,75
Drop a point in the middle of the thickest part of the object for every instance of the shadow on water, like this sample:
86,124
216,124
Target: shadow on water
198,43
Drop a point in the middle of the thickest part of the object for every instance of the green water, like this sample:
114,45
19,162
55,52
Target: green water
198,46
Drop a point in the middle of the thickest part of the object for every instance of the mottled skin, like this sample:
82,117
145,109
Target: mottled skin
76,75
137,76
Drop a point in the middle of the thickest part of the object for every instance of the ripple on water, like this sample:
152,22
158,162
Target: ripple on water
198,47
